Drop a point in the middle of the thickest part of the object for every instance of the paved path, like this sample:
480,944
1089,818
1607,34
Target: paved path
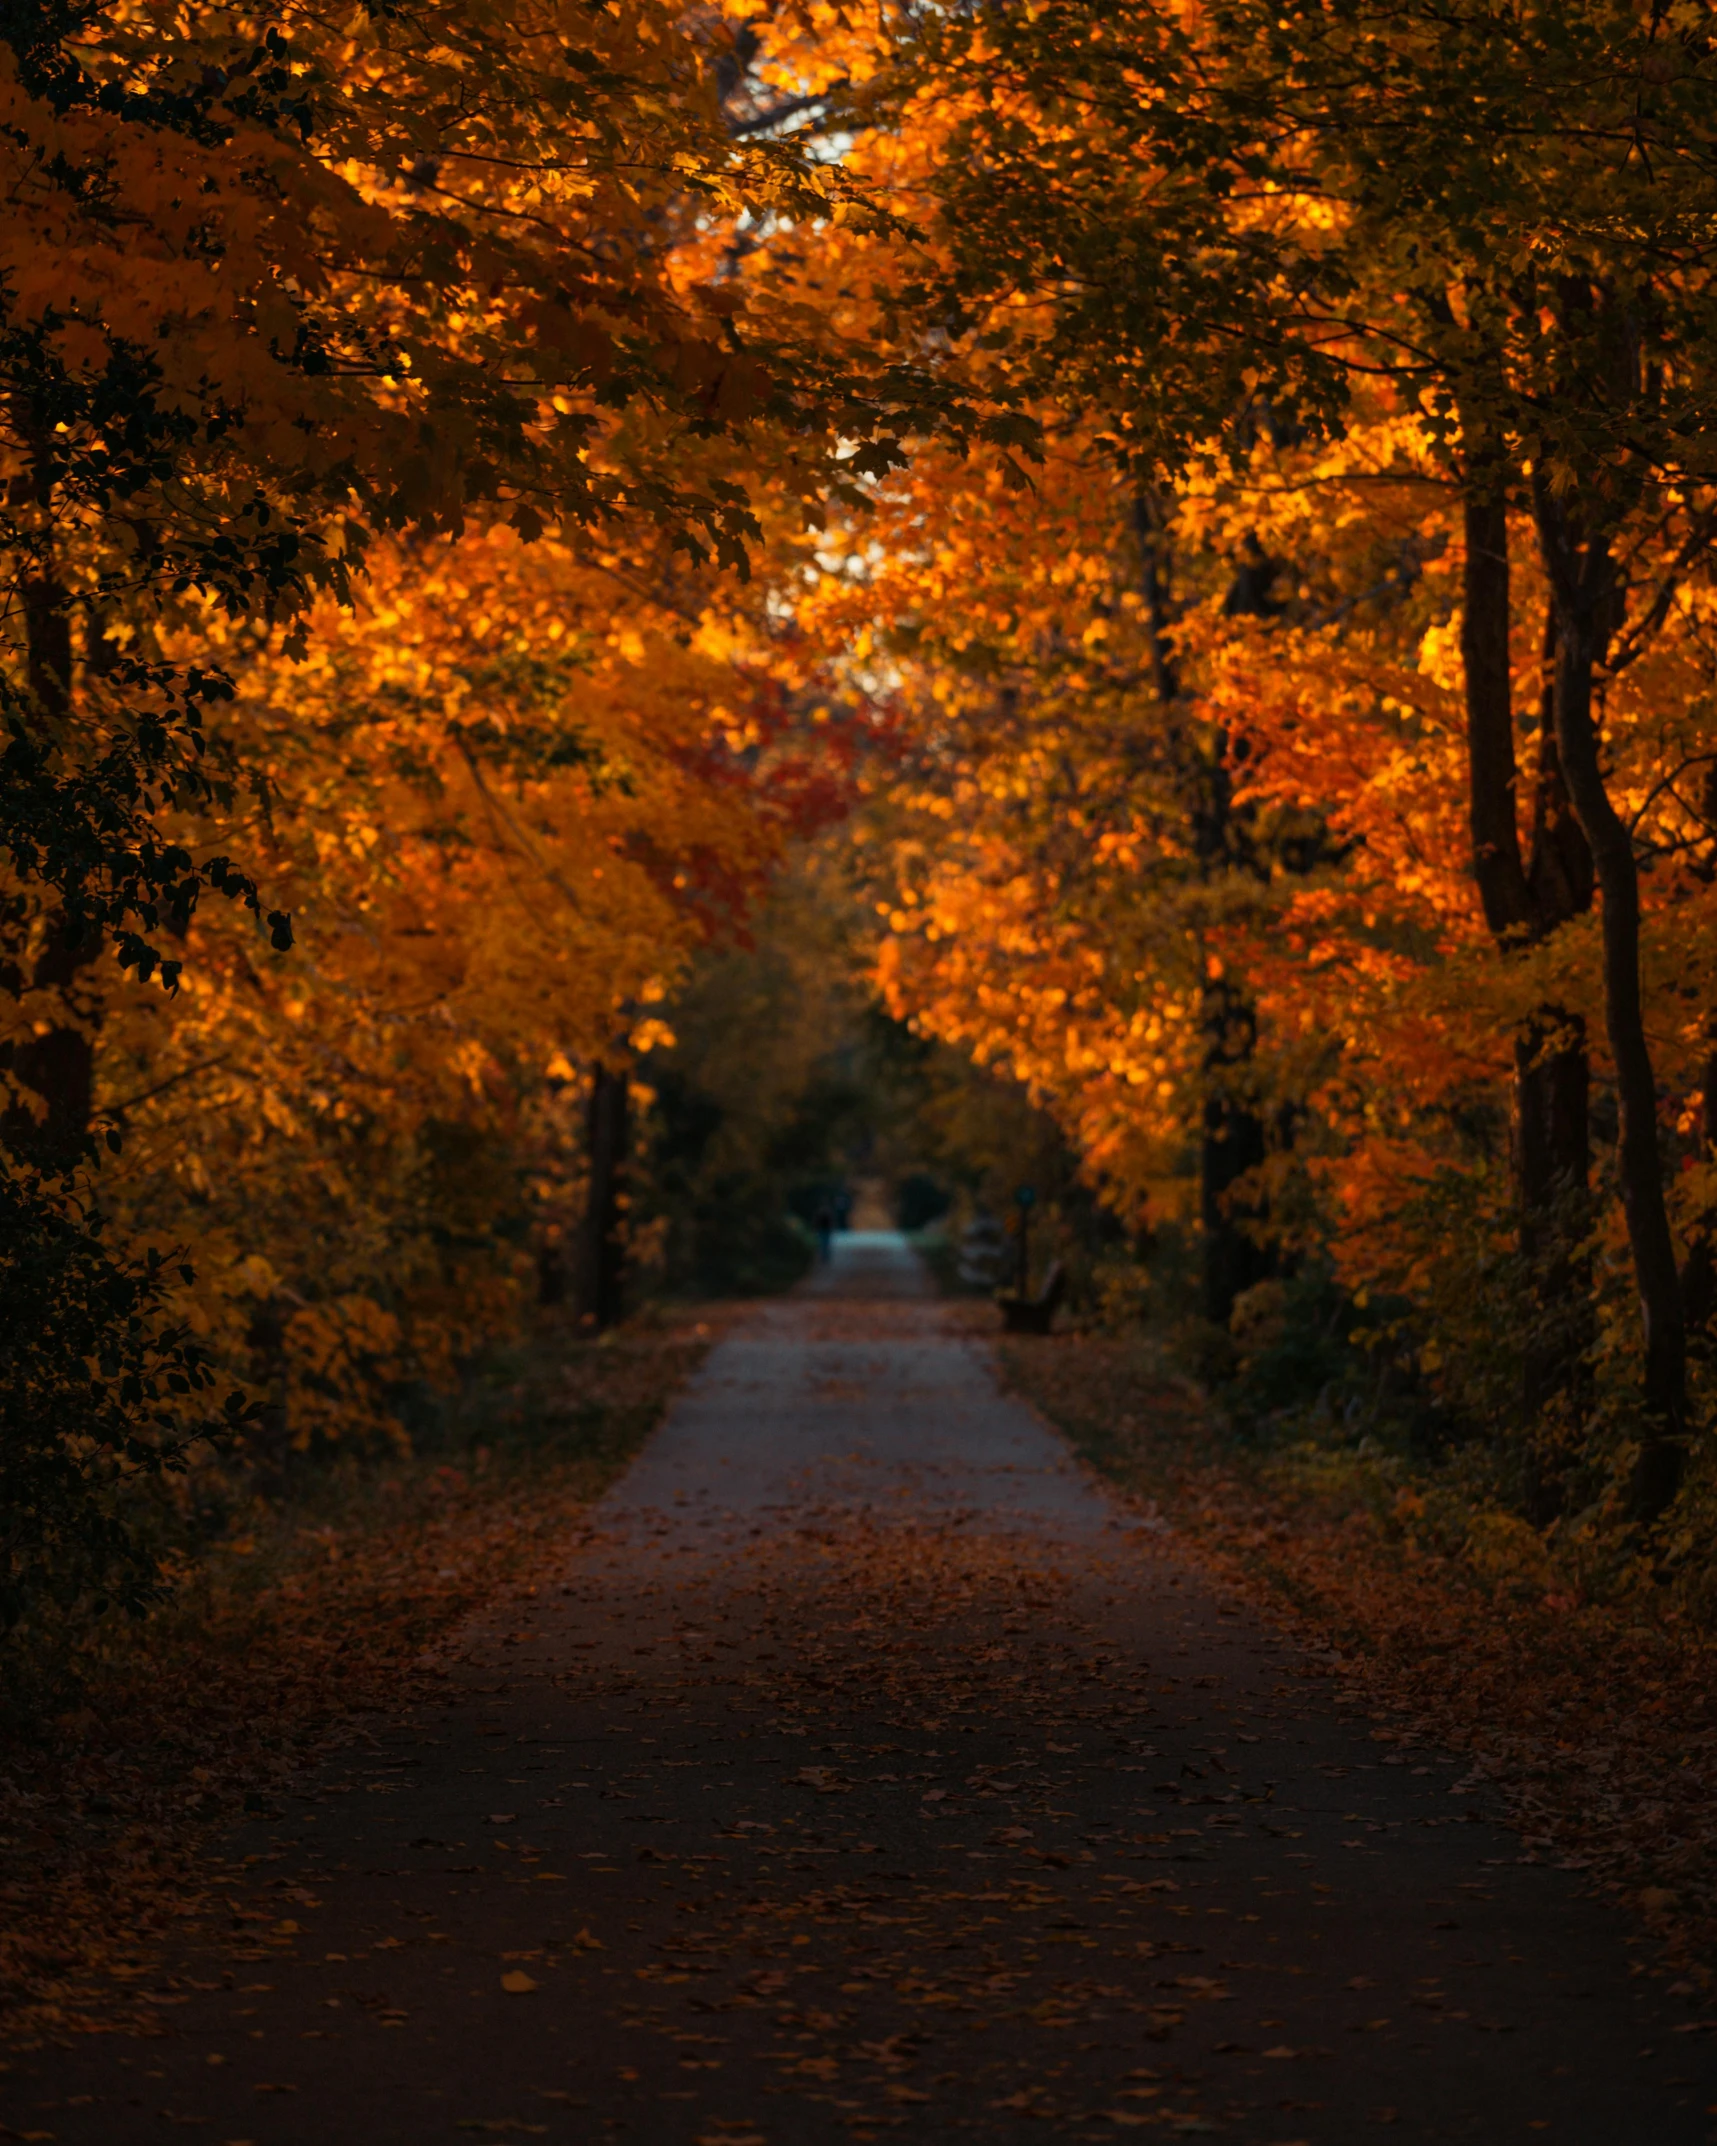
870,1774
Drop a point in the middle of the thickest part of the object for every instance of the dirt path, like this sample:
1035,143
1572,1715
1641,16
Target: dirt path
871,1773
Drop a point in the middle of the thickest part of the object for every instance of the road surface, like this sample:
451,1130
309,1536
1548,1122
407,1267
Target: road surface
870,1774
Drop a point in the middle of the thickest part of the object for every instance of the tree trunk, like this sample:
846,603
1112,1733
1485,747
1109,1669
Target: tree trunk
1552,1161
57,1063
270,1438
1699,1271
1583,577
1524,903
1491,770
551,1273
601,1296
1234,1137
1552,1083
1233,1144
1553,1131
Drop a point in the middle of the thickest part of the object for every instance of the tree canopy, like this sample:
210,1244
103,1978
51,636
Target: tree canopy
1191,528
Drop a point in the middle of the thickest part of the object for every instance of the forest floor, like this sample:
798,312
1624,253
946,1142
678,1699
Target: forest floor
319,1601
864,1768
1596,1721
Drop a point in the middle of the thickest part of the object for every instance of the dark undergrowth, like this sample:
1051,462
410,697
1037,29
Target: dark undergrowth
299,1598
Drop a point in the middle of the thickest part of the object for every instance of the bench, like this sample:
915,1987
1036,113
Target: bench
1034,1315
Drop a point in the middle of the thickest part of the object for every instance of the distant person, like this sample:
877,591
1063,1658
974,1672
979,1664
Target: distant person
825,1232
843,1210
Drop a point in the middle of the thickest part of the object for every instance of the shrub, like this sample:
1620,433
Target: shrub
101,1394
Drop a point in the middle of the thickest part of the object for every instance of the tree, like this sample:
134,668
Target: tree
281,300
1198,226
269,293
511,792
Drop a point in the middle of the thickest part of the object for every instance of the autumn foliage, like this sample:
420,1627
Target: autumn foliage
1226,493
1309,799
376,415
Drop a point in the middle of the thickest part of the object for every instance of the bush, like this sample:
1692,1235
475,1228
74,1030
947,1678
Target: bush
100,1395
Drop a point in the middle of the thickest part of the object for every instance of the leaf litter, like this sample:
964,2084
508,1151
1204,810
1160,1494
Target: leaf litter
227,1702
916,1791
1595,1723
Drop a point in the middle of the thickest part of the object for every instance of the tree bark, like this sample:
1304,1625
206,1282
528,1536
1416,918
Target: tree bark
1553,1088
1552,1156
1234,1140
1233,1144
270,1439
602,1291
1699,1270
1583,578
551,1273
1524,903
1491,771
57,1063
